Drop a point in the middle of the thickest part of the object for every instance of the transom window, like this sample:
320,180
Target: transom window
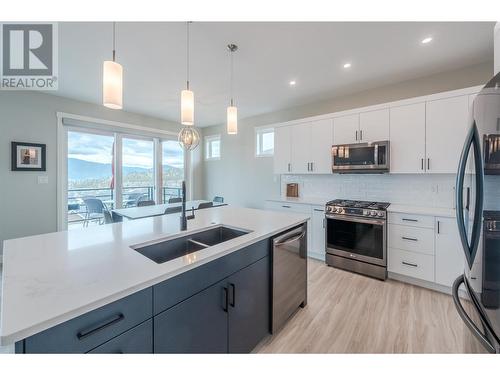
212,147
264,141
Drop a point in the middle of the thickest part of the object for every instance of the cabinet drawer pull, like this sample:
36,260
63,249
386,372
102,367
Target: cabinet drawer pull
409,238
107,323
286,206
224,299
409,264
232,300
319,210
412,220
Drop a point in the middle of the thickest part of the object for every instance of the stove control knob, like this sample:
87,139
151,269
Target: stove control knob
380,214
333,209
373,213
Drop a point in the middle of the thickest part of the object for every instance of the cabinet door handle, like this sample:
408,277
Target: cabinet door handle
324,223
412,220
409,264
312,166
361,135
224,299
356,135
428,164
422,164
232,295
288,167
286,206
438,227
105,324
319,210
409,238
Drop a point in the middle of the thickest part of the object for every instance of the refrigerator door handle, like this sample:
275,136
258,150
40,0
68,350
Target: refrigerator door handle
472,140
467,320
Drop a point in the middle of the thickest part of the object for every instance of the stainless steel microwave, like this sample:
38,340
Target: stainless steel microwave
371,157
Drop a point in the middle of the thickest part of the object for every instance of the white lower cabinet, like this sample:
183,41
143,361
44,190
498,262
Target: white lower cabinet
424,247
409,263
449,259
317,246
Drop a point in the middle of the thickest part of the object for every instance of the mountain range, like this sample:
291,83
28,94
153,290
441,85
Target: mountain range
82,170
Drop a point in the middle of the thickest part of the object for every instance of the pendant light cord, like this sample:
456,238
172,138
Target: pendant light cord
114,41
187,54
231,79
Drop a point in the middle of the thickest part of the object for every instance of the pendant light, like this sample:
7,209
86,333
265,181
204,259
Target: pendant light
188,138
232,111
187,96
112,80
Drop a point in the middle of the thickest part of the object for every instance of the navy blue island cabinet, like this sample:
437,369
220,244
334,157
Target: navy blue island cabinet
223,306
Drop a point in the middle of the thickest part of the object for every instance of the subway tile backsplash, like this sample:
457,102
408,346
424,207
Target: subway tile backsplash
412,189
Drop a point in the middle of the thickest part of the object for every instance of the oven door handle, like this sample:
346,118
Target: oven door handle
355,219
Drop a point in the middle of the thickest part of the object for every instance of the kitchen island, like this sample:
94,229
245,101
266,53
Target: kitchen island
89,290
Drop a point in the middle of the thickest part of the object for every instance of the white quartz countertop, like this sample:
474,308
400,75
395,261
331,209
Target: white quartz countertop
51,278
417,210
315,201
406,209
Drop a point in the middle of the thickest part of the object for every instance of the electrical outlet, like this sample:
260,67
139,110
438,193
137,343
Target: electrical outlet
43,179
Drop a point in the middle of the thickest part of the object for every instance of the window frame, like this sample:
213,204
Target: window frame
207,152
259,132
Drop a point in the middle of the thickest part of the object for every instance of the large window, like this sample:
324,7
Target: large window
138,179
212,147
107,170
264,142
173,169
90,174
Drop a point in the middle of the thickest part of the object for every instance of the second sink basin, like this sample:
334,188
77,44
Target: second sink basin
166,250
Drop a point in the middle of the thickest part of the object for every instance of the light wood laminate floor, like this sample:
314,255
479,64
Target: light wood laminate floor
350,313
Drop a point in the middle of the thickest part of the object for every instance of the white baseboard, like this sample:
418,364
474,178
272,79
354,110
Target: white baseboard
425,284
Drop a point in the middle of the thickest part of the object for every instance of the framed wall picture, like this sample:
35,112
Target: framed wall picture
28,156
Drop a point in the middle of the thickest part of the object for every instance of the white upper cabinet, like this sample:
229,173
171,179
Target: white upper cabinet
447,121
301,148
321,146
346,129
449,257
407,138
374,126
282,150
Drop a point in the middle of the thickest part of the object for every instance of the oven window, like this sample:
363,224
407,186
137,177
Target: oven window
358,238
345,155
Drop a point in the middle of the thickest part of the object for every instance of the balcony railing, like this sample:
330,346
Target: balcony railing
130,196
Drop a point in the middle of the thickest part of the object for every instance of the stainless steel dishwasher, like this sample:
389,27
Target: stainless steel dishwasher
289,275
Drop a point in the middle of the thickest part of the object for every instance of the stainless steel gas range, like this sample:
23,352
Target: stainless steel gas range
356,236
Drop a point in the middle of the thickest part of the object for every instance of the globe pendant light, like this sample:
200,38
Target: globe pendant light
189,138
112,81
232,111
187,96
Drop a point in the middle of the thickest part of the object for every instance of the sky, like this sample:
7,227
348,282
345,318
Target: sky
136,153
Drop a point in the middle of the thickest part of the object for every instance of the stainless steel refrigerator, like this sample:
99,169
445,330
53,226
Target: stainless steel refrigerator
478,219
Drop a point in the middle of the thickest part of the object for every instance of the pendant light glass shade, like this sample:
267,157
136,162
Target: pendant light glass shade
232,120
189,138
187,107
112,85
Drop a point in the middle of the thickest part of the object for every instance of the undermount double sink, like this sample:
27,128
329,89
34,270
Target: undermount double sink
169,249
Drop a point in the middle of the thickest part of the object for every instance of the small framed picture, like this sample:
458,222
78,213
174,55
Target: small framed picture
28,156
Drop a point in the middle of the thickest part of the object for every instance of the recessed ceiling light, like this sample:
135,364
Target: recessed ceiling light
426,40
347,65
292,83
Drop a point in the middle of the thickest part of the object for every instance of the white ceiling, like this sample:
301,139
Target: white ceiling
153,56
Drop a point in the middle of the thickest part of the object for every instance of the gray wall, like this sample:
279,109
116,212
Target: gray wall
251,180
26,207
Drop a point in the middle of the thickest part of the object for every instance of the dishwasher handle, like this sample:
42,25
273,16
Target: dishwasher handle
290,240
